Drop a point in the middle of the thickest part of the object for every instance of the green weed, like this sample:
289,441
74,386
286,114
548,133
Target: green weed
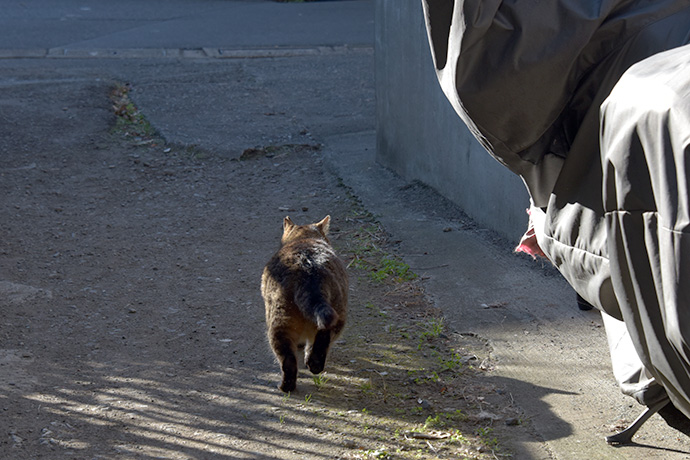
488,438
391,267
129,120
320,380
431,330
444,420
450,363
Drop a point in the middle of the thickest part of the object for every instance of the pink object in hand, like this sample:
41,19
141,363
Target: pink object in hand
528,243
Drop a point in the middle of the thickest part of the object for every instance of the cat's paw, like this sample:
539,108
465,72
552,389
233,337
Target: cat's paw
316,365
288,385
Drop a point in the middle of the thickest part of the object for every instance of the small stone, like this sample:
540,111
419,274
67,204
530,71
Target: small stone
447,229
349,444
17,440
426,405
467,358
488,416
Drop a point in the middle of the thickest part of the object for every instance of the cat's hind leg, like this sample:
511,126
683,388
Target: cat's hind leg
316,354
284,348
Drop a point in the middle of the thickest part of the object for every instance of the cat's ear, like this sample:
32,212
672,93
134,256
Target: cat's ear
288,224
324,225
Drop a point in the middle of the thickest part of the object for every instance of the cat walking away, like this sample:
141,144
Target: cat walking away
304,287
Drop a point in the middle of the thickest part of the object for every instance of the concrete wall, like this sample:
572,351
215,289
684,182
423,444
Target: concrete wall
420,136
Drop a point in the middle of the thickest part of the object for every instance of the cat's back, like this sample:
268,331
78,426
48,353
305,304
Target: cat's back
304,275
305,258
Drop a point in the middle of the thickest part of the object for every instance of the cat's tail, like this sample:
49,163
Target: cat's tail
325,316
315,308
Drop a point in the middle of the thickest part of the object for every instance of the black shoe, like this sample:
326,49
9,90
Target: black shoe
582,304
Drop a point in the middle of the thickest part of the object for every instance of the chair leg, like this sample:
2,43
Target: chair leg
625,436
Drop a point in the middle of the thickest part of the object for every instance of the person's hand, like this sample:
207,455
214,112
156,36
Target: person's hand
528,243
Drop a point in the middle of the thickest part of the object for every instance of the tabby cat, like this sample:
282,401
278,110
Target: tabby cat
305,288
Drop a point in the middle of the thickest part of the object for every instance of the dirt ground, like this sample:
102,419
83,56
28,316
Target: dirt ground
132,325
